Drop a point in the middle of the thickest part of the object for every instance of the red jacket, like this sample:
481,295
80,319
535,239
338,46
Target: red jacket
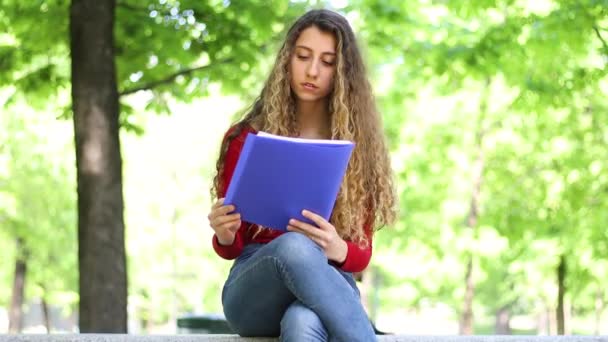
357,258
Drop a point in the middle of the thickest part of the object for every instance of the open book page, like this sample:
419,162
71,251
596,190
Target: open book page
304,140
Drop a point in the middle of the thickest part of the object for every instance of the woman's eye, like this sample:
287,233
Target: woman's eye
328,63
302,57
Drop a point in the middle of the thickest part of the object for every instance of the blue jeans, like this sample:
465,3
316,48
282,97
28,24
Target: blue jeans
287,288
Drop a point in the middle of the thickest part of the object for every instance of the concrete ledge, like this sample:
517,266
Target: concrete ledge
235,338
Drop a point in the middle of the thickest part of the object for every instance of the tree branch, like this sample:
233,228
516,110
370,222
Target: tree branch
599,36
171,78
200,17
125,5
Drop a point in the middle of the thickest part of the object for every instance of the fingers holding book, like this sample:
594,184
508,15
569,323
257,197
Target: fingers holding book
323,234
223,223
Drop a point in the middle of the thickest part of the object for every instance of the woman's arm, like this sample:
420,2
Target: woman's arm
357,258
232,156
347,255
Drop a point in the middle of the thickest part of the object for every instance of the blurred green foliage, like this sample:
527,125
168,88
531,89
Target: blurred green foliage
530,77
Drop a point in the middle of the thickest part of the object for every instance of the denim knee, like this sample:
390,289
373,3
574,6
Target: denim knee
295,247
300,323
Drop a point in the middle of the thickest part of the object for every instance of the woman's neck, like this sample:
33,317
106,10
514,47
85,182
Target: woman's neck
313,120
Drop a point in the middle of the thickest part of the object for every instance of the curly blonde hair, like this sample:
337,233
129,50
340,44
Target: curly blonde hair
366,195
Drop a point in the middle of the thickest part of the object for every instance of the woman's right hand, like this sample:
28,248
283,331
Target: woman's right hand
224,224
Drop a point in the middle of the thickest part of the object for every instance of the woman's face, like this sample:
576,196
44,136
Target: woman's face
313,64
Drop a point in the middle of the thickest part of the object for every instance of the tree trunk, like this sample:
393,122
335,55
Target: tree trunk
101,247
45,314
599,309
561,290
502,325
466,321
16,309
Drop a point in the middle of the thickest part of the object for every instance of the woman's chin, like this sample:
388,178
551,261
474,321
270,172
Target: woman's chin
307,97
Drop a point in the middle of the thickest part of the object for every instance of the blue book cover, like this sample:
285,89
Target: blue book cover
277,177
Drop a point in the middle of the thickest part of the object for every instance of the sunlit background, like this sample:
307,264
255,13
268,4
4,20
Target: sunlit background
495,113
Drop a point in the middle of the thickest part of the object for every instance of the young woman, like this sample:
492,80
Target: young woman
299,284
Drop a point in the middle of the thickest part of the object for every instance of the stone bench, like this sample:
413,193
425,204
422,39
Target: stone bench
235,338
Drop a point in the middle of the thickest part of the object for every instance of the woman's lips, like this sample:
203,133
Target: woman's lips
309,86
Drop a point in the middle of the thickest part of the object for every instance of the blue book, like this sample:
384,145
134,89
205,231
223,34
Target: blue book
277,177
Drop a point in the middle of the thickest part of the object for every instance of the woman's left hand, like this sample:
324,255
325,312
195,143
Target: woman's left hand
324,235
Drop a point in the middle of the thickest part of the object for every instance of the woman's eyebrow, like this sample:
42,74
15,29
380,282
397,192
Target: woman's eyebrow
309,49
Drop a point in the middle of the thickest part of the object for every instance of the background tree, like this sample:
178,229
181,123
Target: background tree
37,210
190,51
548,72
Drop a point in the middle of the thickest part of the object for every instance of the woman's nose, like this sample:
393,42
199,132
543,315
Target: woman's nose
313,69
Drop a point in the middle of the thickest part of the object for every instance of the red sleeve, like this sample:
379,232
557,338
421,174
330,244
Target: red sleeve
357,258
232,251
232,156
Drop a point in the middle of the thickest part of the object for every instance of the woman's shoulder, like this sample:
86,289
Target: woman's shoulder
238,132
